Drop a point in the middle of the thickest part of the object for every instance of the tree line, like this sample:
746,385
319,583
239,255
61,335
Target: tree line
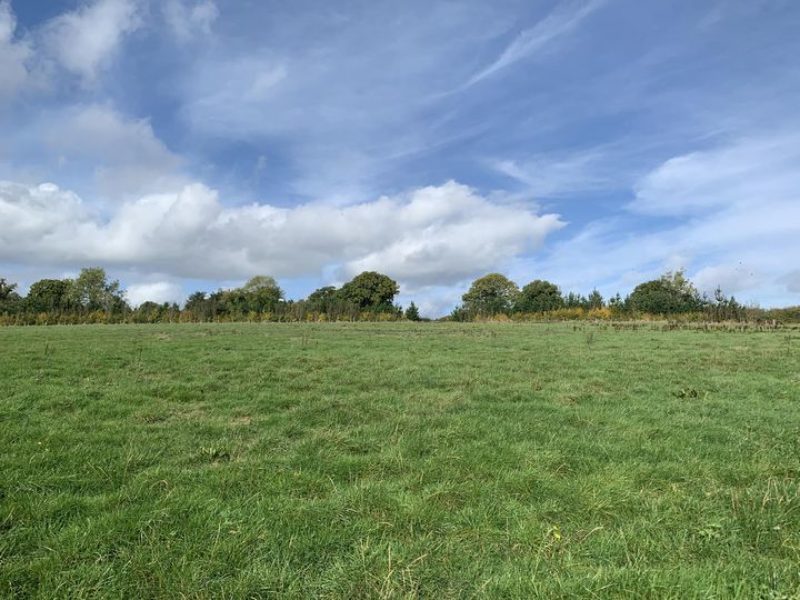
92,298
370,296
671,294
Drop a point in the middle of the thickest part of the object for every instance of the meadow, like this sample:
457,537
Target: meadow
399,460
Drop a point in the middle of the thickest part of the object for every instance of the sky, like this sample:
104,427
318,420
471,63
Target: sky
188,145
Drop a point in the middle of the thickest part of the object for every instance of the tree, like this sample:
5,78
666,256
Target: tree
195,302
595,300
722,308
460,314
412,312
617,304
49,295
7,289
491,294
371,291
671,293
573,300
262,293
92,291
323,299
217,304
149,312
9,299
539,296
199,306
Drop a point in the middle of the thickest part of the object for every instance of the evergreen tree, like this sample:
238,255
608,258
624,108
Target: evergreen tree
412,312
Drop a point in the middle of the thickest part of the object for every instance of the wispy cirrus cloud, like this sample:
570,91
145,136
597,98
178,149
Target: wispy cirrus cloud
341,115
565,18
552,175
745,172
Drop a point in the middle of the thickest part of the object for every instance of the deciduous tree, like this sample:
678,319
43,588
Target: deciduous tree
323,299
49,295
671,293
92,291
370,291
539,296
9,299
262,293
491,294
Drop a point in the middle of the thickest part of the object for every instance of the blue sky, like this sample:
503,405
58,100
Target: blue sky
190,144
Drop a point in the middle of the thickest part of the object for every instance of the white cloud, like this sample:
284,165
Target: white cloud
742,173
556,24
84,41
731,278
433,301
95,149
340,118
734,222
14,55
125,156
448,234
433,235
186,21
548,175
250,82
43,216
156,291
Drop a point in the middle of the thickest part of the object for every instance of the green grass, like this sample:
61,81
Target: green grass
398,460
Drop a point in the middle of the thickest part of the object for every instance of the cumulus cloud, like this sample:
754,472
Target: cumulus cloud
14,55
734,222
154,291
125,156
85,40
93,149
436,234
188,19
447,234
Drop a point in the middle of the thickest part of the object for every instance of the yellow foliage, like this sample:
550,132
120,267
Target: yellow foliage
600,314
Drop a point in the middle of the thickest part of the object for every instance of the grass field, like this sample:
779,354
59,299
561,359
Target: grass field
398,460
